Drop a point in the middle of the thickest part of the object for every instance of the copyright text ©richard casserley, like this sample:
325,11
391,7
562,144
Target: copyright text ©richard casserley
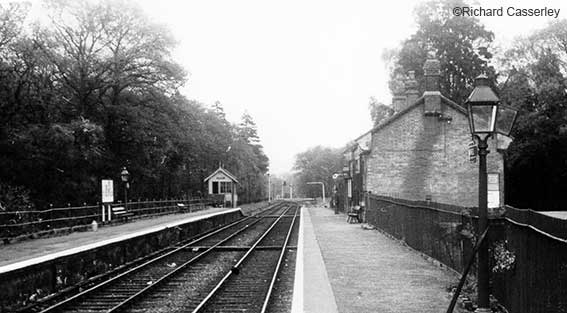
505,11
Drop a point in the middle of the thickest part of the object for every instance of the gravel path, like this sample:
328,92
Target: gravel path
372,273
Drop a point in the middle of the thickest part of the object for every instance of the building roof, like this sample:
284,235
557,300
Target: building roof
394,117
362,142
225,172
418,102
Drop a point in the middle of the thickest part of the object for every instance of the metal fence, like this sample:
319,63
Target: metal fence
438,230
537,279
531,274
18,223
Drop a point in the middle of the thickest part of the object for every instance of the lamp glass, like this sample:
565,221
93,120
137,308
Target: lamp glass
482,117
506,118
124,174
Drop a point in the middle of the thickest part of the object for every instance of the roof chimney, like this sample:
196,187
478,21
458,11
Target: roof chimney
432,96
399,99
411,89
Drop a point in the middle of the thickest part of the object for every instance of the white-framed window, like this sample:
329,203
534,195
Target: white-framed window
225,187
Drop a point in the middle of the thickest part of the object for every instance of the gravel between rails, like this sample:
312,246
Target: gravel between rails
121,289
278,234
184,292
282,296
245,292
250,235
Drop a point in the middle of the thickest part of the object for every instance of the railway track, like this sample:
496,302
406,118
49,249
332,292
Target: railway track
235,266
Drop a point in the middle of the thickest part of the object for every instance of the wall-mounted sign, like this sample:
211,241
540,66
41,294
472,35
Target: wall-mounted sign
220,177
349,188
107,191
493,187
472,152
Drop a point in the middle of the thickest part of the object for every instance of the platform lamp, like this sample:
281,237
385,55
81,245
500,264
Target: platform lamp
346,176
486,117
125,176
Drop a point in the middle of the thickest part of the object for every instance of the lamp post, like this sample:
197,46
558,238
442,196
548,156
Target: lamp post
124,176
486,117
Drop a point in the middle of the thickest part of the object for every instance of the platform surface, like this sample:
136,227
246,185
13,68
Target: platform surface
365,271
29,252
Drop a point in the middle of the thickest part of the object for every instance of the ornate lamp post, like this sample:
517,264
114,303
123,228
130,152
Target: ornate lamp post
124,176
486,117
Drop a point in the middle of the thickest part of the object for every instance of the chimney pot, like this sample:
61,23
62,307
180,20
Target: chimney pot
432,96
411,89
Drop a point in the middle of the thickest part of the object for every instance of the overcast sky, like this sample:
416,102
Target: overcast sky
303,69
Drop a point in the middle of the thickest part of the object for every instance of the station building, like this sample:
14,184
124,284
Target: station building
222,183
422,151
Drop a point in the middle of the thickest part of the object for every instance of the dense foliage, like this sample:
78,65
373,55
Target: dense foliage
459,43
94,88
317,164
534,82
379,112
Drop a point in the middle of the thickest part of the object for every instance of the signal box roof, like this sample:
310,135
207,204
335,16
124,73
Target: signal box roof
222,171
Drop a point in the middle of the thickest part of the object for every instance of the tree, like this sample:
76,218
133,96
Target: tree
251,163
379,112
96,89
317,164
535,84
100,50
460,44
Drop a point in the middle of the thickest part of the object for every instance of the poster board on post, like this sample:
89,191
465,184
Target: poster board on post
107,195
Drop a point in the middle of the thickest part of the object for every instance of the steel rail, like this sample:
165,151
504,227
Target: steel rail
84,293
235,267
143,291
275,276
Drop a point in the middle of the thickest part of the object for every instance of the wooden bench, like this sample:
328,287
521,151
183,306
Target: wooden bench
120,212
355,215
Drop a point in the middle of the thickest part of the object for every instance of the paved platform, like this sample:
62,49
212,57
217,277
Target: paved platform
38,250
359,270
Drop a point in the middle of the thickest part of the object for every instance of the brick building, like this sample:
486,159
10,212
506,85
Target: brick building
421,152
356,155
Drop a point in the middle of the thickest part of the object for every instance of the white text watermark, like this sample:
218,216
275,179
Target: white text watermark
505,11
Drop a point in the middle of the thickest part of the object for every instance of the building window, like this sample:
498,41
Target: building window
225,187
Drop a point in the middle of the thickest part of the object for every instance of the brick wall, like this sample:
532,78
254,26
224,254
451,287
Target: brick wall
417,155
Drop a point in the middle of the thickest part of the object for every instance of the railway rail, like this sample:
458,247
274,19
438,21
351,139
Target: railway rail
234,267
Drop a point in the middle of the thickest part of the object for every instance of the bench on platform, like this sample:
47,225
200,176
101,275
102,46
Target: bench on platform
120,212
355,215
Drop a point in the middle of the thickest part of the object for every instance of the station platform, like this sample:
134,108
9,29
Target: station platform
345,268
25,253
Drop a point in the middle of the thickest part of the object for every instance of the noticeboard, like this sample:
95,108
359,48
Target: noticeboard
493,186
107,190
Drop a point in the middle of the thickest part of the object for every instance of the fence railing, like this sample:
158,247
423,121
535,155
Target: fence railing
529,271
436,230
536,280
18,223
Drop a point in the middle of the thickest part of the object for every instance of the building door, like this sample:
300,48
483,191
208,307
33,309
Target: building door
215,187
